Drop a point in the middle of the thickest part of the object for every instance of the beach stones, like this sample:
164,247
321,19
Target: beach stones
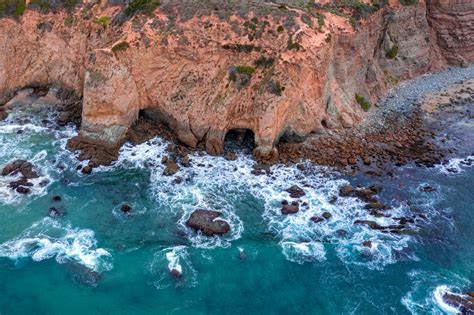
295,192
290,208
20,166
208,223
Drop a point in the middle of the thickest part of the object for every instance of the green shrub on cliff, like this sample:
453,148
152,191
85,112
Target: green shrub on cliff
264,62
145,6
120,47
104,21
245,70
362,102
42,5
408,2
14,8
392,53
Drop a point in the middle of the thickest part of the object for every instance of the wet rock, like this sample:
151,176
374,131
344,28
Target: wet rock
230,156
317,219
346,191
367,244
290,208
86,170
20,182
171,168
3,114
208,223
125,208
372,224
464,303
427,189
178,180
341,233
20,166
176,273
23,190
377,205
327,215
295,192
333,200
185,161
365,194
57,198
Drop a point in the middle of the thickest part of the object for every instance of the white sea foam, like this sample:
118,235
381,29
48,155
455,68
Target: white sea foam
455,165
217,184
48,239
176,259
428,289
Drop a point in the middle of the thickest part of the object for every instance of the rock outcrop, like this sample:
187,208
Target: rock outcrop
206,68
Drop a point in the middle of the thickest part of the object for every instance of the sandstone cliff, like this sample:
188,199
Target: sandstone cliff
207,67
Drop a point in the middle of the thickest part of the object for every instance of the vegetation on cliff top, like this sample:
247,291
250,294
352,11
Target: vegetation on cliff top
364,104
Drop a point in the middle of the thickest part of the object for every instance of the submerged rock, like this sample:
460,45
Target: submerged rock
207,222
20,166
176,273
54,212
427,189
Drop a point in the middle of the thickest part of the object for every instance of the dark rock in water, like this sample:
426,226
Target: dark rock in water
3,114
83,275
208,223
290,208
284,202
346,191
427,189
377,205
176,273
341,233
333,200
86,170
54,213
171,168
372,224
230,156
20,166
316,219
57,198
295,192
367,244
327,215
23,190
366,195
126,208
464,303
178,180
20,182
185,161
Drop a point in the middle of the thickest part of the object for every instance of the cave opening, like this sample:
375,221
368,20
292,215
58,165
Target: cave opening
239,140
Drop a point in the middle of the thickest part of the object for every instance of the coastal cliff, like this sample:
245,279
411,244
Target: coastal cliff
206,68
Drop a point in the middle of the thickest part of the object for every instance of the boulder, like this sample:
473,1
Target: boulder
171,168
295,192
20,166
208,223
346,191
290,208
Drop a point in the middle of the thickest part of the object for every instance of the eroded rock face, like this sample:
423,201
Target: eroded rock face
204,72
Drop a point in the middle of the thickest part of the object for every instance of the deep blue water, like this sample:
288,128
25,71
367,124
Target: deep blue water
95,259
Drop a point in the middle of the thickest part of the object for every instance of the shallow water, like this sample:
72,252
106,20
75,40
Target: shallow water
95,259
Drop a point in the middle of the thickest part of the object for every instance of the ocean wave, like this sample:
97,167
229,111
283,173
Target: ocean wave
172,267
455,165
428,289
48,239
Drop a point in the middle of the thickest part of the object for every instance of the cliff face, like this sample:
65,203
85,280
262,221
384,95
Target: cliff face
273,69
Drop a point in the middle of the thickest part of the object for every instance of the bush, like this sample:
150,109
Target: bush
293,46
120,47
264,62
248,70
320,18
362,102
280,29
103,20
145,6
392,53
14,7
408,2
41,4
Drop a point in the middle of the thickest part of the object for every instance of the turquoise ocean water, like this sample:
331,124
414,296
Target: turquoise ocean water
97,260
